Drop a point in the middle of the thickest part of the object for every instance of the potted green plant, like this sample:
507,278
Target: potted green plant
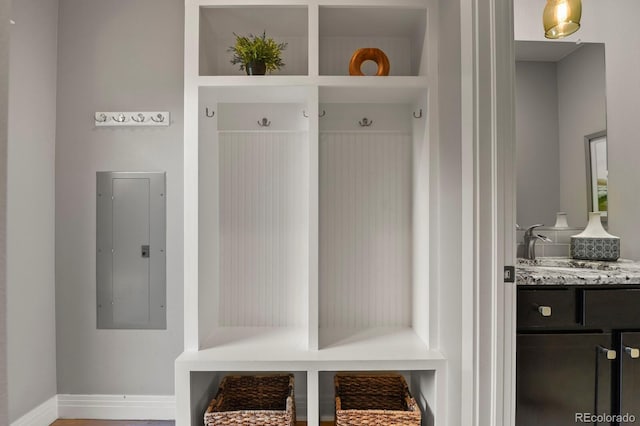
257,54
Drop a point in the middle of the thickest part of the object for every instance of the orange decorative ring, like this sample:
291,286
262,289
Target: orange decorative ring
369,54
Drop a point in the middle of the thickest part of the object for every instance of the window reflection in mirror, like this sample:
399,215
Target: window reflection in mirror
597,173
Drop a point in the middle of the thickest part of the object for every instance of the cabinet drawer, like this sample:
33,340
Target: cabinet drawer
555,308
619,308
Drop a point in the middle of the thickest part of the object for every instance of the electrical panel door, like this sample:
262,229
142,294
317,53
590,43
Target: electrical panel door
131,283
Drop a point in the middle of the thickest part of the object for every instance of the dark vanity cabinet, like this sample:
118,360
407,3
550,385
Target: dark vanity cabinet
559,375
578,355
629,378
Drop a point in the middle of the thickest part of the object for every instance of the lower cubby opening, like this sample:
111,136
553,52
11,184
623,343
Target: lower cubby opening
204,386
421,386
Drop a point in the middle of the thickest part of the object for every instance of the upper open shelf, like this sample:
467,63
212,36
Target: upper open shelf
284,24
399,31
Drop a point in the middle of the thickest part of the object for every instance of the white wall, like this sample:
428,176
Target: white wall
537,149
601,22
30,199
115,55
447,177
4,100
581,112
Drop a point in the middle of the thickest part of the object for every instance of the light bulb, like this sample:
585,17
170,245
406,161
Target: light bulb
562,11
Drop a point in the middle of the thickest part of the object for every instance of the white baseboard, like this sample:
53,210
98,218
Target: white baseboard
117,407
43,415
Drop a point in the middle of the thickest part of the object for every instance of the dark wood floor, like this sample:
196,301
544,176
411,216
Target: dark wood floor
82,422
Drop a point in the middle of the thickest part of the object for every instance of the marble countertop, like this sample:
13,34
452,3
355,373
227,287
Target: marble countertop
567,271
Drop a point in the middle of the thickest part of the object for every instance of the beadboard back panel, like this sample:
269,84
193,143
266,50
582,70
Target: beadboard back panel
263,228
365,229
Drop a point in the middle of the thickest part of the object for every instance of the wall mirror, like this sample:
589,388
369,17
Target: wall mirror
560,104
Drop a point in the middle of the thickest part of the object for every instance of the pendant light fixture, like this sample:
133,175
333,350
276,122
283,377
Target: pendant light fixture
561,18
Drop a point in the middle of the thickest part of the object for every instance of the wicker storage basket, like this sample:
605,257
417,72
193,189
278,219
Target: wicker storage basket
374,399
253,400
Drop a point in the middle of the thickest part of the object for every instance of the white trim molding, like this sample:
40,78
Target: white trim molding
117,407
102,407
43,415
490,155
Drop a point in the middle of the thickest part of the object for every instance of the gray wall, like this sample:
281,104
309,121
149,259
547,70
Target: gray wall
115,55
581,112
622,63
537,149
30,199
4,101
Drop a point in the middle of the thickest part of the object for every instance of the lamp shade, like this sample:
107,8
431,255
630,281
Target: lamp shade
561,18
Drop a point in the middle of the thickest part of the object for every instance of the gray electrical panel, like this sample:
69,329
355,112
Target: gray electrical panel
130,252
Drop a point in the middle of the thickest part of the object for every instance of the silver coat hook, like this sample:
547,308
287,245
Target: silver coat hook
139,118
365,122
120,118
102,118
264,122
207,113
417,116
159,118
322,114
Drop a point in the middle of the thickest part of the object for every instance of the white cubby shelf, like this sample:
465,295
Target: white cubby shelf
307,202
320,37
